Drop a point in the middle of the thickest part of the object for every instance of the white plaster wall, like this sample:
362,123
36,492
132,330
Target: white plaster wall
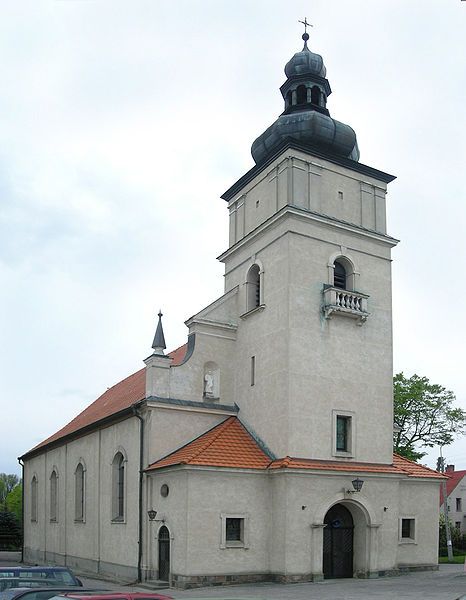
335,364
82,537
118,540
168,429
420,499
297,548
296,178
173,508
187,380
307,366
96,538
34,531
192,511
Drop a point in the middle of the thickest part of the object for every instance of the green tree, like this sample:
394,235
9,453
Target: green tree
14,501
10,532
424,416
7,483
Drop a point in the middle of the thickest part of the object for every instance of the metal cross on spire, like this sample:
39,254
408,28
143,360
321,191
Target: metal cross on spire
305,35
306,24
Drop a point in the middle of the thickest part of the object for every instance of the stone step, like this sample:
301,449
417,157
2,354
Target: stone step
154,584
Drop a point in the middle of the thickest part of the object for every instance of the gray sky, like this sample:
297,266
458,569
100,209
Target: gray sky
122,123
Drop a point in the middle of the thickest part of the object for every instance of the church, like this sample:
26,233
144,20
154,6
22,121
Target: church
261,450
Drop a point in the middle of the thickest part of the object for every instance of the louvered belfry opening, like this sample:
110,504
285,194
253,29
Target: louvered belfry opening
339,276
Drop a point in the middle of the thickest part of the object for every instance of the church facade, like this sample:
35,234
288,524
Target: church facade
262,449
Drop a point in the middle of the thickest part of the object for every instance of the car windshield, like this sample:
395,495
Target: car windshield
9,594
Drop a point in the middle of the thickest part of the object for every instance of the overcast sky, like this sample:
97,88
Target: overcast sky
122,123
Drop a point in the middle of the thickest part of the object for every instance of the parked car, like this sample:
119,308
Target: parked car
106,595
62,575
38,593
8,583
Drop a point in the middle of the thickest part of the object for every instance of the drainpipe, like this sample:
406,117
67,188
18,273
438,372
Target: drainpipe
141,474
22,508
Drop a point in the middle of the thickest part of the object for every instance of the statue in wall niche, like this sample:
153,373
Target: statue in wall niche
209,384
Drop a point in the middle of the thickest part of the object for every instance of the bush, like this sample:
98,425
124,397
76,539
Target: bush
10,532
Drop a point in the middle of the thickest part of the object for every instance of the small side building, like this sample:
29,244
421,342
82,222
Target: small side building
456,497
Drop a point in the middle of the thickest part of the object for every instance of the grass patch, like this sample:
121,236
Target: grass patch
458,559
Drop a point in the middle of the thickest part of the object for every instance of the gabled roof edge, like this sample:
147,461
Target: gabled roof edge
113,418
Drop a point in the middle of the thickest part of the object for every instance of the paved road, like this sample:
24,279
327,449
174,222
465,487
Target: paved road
449,583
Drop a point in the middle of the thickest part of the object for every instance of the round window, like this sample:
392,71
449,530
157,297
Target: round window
164,490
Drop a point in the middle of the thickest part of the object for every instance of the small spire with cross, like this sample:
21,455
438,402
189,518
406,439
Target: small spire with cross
159,340
305,35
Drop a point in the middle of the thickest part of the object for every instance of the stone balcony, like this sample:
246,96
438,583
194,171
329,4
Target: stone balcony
345,303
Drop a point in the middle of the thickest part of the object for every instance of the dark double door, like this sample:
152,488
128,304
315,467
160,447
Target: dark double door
164,554
338,543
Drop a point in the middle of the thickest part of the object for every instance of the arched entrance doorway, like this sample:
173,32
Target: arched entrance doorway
338,543
164,554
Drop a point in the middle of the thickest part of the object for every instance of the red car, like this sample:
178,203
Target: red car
106,595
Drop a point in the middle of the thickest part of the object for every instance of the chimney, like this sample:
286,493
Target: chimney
450,469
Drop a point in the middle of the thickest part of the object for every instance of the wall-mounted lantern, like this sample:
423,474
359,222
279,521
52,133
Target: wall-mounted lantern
152,514
357,485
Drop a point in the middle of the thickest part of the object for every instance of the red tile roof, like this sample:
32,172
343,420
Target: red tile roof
454,477
230,445
414,469
117,398
226,445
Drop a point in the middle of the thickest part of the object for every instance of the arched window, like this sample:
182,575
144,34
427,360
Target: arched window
339,275
53,496
315,95
253,288
118,487
34,498
301,94
79,493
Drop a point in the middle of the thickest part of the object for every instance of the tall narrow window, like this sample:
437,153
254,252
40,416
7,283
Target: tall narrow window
253,288
458,505
34,499
339,276
53,496
118,491
343,433
79,493
315,95
253,370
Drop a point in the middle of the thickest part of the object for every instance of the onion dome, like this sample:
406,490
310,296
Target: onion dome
306,119
305,62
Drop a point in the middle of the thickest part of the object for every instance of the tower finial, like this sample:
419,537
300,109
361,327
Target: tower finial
159,340
305,35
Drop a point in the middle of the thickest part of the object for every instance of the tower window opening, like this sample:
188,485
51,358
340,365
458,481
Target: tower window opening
253,288
315,95
289,100
301,94
339,276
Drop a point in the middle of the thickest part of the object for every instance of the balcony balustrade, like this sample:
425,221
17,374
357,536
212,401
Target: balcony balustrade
345,303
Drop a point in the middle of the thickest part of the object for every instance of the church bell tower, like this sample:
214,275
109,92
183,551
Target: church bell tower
310,257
